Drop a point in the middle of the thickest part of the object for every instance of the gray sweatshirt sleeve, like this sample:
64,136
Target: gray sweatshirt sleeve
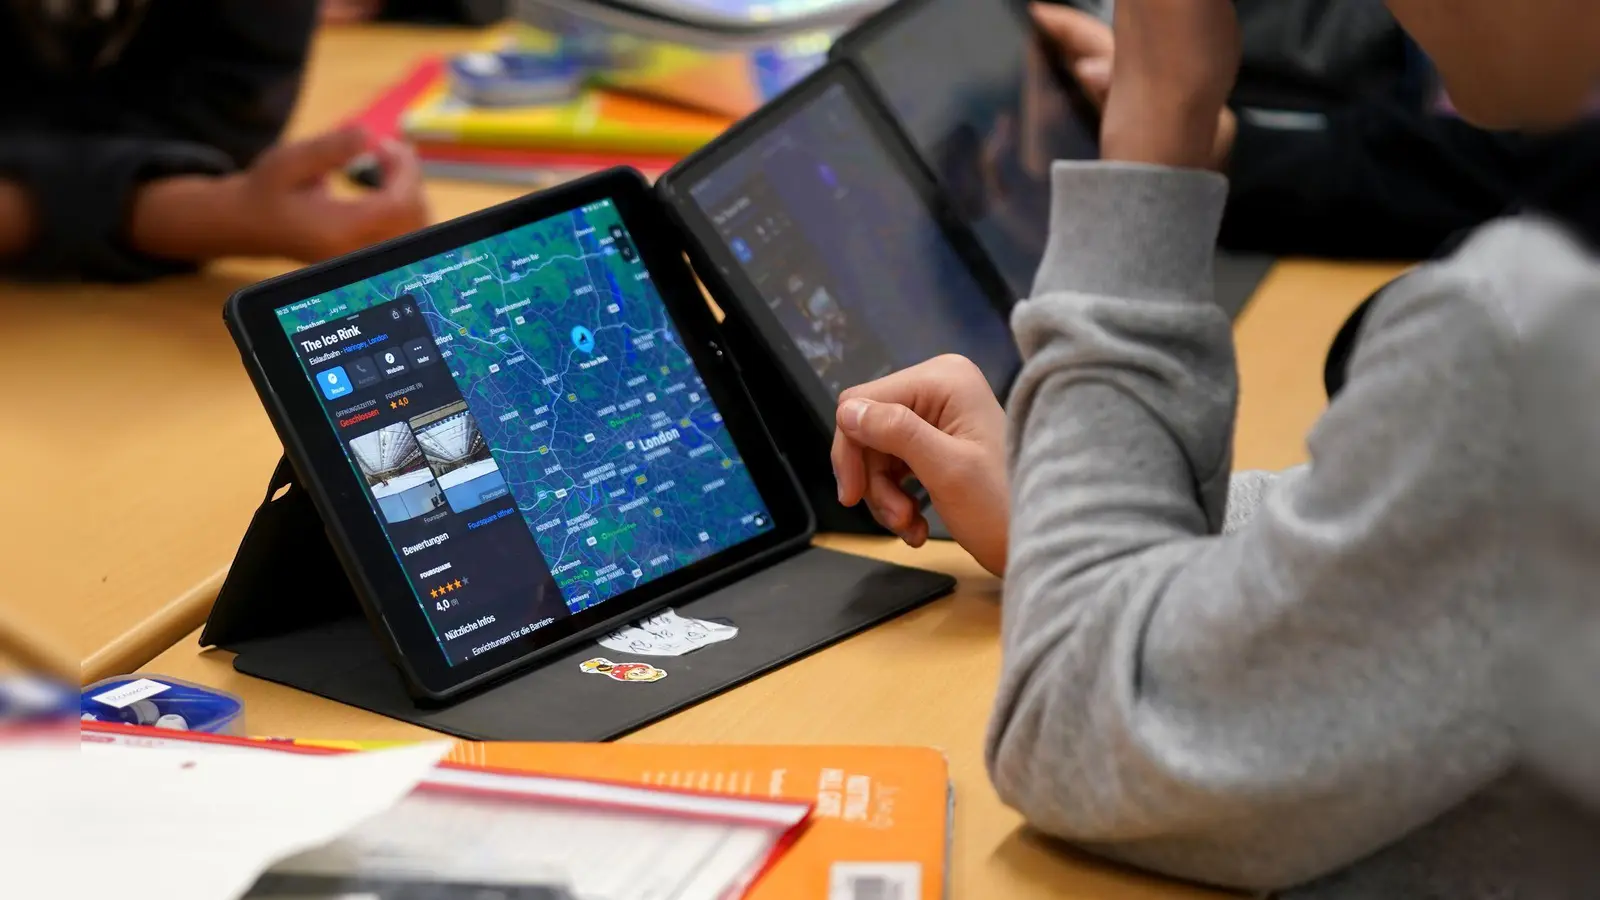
1257,707
1246,491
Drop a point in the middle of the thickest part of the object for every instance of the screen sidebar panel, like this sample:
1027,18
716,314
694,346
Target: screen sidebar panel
421,455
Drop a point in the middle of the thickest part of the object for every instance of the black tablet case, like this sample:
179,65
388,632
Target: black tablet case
287,610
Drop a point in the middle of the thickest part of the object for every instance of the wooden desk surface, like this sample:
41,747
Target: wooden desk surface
925,679
136,450
134,446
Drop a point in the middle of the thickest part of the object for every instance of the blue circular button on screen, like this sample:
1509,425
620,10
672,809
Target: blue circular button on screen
583,339
334,382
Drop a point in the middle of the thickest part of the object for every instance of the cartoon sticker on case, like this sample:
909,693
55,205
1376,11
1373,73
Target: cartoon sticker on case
628,671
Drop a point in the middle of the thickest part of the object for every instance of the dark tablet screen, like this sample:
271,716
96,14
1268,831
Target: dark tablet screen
529,428
823,219
988,112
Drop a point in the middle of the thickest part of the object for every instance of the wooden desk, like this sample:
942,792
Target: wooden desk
927,677
136,450
133,446
1282,340
146,450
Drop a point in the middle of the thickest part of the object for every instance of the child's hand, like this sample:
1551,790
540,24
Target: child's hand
1085,43
344,12
283,205
287,197
938,421
1088,47
16,219
1175,64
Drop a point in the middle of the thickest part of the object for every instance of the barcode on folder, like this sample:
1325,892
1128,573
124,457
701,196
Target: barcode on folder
875,881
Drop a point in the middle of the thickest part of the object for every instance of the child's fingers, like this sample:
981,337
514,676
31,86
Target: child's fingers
849,469
889,503
398,205
1094,76
402,169
1077,33
308,161
916,534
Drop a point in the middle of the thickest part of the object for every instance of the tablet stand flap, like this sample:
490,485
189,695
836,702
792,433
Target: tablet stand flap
285,575
794,607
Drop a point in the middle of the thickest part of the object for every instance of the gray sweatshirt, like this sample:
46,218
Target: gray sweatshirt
1317,698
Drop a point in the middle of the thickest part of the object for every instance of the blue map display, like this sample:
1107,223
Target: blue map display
608,441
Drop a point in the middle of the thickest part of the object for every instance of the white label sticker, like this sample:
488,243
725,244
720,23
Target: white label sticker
667,634
131,693
875,881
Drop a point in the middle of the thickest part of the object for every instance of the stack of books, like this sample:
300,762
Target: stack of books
614,100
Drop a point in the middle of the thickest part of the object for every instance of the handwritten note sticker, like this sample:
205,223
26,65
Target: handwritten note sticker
667,634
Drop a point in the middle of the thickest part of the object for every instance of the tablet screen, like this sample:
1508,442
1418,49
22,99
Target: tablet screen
529,429
843,250
968,82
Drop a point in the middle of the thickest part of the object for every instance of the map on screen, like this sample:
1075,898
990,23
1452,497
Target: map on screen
575,384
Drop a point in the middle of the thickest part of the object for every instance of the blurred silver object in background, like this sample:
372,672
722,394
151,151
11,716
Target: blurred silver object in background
705,24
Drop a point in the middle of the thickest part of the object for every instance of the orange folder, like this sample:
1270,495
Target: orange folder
880,828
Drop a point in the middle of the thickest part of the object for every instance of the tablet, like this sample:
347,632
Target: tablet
518,428
988,107
829,241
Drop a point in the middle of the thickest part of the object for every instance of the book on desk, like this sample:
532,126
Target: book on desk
881,818
308,821
642,103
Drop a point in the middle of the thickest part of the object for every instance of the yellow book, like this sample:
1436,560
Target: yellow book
728,82
598,121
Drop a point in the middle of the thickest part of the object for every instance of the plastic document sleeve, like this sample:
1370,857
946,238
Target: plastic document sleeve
590,839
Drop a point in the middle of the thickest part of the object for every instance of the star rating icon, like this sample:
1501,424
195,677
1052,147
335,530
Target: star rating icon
445,588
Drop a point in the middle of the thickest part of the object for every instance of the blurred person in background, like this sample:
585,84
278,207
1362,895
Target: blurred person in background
1355,151
1322,683
140,138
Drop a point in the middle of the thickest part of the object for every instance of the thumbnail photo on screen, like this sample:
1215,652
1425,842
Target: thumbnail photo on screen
397,472
459,456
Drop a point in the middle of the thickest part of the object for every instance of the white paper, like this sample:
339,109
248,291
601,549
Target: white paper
131,693
597,840
197,822
667,634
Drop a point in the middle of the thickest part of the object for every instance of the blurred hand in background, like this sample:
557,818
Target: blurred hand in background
1089,51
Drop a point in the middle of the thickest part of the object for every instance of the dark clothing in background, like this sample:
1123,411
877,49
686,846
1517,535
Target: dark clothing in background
446,12
1365,164
1318,54
202,87
1386,180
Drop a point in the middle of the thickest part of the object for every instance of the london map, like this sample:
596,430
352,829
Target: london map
607,438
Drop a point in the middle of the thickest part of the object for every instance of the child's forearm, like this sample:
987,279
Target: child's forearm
16,220
191,218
